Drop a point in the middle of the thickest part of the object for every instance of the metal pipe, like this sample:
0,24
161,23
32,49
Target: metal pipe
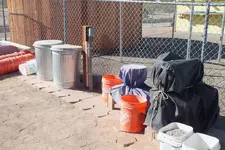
121,31
89,53
153,16
91,33
173,24
4,23
163,3
65,20
205,30
173,21
221,37
190,32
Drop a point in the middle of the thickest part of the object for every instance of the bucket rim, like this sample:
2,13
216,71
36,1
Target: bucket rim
66,47
134,103
46,43
116,76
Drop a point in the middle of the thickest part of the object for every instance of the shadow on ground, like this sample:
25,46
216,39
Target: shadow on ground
9,75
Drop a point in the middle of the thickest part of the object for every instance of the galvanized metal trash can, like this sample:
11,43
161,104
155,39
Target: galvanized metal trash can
66,65
43,56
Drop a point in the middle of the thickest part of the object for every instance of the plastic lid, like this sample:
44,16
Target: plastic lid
199,141
47,43
66,47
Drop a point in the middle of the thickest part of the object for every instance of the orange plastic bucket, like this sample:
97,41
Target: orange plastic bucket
108,81
132,113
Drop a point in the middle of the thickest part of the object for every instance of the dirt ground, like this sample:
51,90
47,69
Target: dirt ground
32,119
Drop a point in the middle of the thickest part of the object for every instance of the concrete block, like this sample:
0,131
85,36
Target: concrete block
26,78
112,120
33,81
85,105
115,114
126,140
42,85
116,127
99,111
77,94
150,133
61,93
70,99
142,146
114,124
141,137
51,89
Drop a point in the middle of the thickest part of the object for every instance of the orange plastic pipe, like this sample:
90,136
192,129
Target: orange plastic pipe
11,64
14,54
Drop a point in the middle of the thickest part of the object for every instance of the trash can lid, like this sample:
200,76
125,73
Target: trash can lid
47,43
66,47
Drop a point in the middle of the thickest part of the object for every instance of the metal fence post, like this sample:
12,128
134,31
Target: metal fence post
173,24
221,36
205,30
190,32
152,20
174,20
90,34
65,20
121,30
4,23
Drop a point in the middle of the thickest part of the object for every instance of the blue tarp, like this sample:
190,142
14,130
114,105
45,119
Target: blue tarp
133,77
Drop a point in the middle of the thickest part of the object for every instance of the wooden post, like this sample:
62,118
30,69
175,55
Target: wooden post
88,34
110,103
84,52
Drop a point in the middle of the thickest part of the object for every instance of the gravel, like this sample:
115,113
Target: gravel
175,132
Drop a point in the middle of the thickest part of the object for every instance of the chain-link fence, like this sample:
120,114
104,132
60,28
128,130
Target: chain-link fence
139,31
4,25
130,31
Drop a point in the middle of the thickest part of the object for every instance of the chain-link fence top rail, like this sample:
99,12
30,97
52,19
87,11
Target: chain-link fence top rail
128,31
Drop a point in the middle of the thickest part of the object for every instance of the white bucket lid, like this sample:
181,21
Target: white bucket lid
47,43
199,141
66,47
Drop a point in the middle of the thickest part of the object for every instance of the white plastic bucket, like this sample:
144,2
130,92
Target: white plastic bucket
200,141
28,68
168,142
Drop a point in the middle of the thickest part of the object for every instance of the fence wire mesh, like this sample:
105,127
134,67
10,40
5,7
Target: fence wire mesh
147,30
4,25
134,31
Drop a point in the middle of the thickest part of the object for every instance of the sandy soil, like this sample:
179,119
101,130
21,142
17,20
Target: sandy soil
31,119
